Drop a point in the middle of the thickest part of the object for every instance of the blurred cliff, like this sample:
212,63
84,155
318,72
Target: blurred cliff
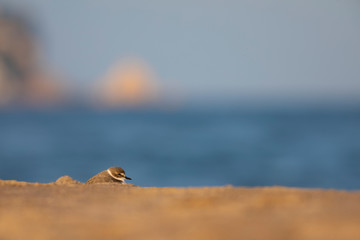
24,81
27,81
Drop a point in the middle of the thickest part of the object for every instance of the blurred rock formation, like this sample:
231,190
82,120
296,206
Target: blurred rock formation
22,80
127,84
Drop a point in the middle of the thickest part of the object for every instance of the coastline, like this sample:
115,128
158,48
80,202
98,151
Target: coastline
113,211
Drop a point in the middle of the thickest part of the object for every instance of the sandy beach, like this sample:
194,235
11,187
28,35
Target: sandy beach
112,211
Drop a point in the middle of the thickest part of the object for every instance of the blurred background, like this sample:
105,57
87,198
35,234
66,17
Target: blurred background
182,93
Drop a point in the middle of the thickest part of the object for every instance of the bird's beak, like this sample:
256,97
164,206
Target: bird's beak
127,178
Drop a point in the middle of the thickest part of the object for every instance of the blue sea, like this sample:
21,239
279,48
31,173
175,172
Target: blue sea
312,148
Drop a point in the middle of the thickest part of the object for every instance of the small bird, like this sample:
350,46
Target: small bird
111,175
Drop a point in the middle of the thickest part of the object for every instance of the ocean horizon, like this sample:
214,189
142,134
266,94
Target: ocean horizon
300,147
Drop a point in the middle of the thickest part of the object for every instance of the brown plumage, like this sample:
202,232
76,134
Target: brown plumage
111,175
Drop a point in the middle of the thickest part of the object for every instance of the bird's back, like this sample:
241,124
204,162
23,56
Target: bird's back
101,177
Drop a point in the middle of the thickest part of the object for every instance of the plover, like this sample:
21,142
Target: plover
111,175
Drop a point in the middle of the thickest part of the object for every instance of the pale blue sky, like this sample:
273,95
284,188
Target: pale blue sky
240,50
